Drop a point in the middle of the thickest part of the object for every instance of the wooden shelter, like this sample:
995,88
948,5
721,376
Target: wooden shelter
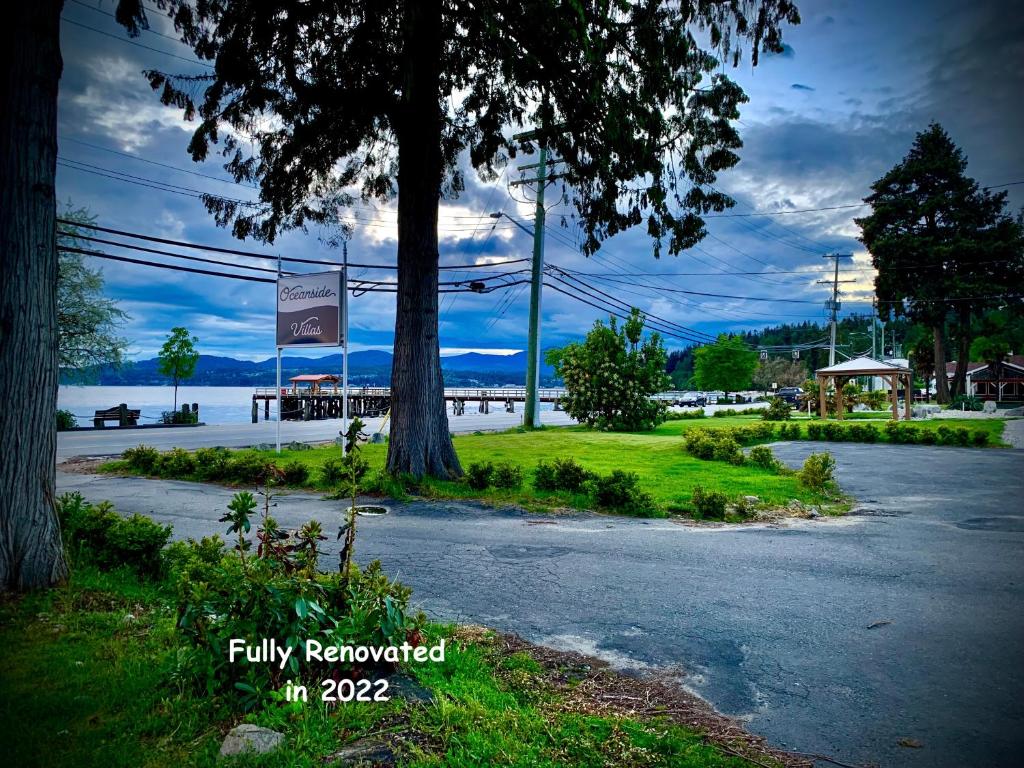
840,373
317,383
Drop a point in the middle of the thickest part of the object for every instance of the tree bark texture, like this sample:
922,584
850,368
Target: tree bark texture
31,554
963,354
941,382
420,443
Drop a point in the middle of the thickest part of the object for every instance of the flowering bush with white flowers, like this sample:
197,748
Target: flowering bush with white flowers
610,377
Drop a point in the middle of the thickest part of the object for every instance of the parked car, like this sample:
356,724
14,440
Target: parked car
791,395
693,399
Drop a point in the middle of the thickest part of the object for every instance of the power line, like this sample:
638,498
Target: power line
112,16
251,254
135,43
712,295
379,287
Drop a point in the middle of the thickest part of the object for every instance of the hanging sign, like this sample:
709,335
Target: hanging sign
309,310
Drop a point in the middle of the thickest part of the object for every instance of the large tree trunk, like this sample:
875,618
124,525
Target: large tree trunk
420,442
941,382
30,546
963,355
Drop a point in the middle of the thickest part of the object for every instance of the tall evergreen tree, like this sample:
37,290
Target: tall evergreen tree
944,249
343,98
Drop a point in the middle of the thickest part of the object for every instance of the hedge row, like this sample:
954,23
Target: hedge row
837,431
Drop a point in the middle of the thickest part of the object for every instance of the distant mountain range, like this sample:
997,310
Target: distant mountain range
366,368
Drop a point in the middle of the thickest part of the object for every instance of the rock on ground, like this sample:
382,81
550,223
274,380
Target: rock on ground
250,738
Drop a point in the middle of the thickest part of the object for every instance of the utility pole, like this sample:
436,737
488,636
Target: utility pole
833,303
531,412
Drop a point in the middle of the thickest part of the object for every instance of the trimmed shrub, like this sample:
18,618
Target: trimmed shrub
212,463
333,471
135,541
295,473
790,431
478,474
762,456
817,471
65,420
248,468
699,443
727,449
777,410
507,475
620,491
684,415
708,505
979,438
177,462
98,533
141,458
561,475
814,430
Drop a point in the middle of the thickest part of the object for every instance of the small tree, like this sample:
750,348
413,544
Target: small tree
87,322
610,377
726,365
178,358
784,373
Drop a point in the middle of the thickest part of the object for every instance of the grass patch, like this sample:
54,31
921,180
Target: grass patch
89,681
664,468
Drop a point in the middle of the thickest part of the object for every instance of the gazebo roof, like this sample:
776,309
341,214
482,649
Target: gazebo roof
315,377
862,366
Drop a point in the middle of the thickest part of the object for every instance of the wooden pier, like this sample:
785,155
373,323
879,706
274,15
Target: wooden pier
314,403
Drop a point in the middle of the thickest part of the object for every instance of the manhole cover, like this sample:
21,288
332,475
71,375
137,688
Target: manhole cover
370,510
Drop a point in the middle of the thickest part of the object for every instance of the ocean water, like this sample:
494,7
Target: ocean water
217,405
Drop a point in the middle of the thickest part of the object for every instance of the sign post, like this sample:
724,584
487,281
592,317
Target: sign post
312,311
344,349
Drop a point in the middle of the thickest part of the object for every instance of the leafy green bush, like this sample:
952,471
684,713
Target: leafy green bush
700,443
727,449
965,403
507,475
979,438
176,462
332,471
863,433
212,463
141,458
814,431
790,431
708,505
279,594
620,492
96,532
777,410
562,475
65,420
248,468
478,474
295,473
901,432
135,541
762,456
817,471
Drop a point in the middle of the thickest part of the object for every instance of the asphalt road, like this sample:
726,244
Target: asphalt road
770,624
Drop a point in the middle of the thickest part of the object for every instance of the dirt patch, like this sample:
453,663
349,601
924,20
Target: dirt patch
588,685
83,465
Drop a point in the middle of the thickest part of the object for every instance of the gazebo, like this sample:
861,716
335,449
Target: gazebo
317,382
864,366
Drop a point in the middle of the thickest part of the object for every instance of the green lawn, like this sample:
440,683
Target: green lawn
89,680
665,469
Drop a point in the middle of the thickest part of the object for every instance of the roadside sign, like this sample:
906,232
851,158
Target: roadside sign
764,354
796,354
309,310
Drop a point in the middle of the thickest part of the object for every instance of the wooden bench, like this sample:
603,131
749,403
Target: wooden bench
122,414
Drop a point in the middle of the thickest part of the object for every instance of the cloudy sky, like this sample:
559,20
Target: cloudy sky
825,119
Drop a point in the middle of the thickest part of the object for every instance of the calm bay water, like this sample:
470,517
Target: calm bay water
217,405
